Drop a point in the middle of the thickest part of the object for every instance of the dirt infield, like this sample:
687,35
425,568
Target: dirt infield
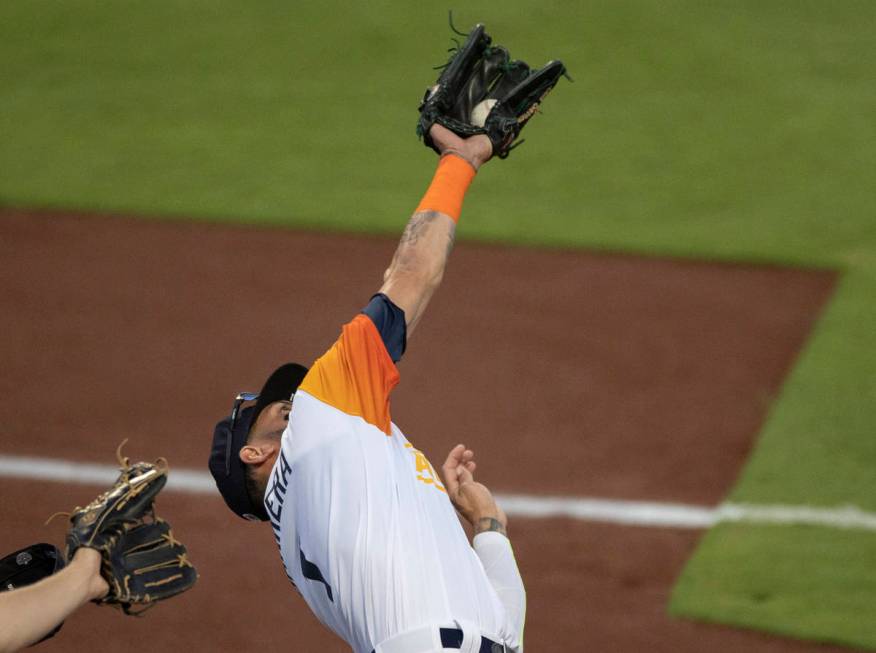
569,373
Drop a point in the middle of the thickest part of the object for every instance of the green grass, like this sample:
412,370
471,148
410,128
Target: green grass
818,445
822,590
736,130
690,131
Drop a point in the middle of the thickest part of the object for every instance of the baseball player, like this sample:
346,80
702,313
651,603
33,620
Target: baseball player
365,526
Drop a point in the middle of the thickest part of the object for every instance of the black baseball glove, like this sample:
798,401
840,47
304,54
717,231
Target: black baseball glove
141,560
481,90
144,564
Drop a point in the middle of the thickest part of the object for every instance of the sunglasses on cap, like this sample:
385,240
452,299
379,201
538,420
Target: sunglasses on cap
239,400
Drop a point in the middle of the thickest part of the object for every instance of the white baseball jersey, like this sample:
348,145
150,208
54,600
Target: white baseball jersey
366,530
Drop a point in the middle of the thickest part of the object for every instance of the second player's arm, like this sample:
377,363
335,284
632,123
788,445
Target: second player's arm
28,613
417,267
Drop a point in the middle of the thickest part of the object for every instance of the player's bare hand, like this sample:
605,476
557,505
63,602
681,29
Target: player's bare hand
472,500
89,561
475,149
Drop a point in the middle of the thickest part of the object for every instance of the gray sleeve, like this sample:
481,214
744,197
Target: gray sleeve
495,553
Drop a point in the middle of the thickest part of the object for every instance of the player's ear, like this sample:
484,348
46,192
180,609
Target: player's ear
256,454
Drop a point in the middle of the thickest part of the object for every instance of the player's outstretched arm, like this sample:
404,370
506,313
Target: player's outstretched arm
418,265
29,613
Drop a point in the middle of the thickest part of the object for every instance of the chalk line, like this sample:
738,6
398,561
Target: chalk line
632,513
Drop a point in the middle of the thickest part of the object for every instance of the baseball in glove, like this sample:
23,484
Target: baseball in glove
141,560
481,90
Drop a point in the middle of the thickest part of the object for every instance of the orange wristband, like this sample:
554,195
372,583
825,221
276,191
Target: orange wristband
445,193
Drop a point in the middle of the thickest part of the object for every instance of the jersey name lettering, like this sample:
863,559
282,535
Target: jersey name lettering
276,493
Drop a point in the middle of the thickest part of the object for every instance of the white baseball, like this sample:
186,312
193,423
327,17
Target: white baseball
481,111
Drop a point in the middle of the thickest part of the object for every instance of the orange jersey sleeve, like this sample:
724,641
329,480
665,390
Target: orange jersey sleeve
356,375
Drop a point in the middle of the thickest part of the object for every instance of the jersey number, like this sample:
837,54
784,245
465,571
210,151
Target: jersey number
425,472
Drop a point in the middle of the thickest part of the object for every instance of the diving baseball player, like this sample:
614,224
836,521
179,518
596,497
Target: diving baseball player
366,528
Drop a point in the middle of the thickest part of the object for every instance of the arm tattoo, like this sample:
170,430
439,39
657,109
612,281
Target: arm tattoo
451,238
416,227
486,524
416,230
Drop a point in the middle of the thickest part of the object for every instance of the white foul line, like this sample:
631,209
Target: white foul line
632,513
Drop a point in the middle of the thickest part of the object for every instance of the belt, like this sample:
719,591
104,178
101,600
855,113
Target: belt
452,638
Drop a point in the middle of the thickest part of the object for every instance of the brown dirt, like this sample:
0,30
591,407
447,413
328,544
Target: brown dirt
570,373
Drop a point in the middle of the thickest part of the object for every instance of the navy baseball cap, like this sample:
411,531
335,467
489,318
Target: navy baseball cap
231,433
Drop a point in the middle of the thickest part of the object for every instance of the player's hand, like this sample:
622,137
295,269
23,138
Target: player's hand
89,560
475,149
473,500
